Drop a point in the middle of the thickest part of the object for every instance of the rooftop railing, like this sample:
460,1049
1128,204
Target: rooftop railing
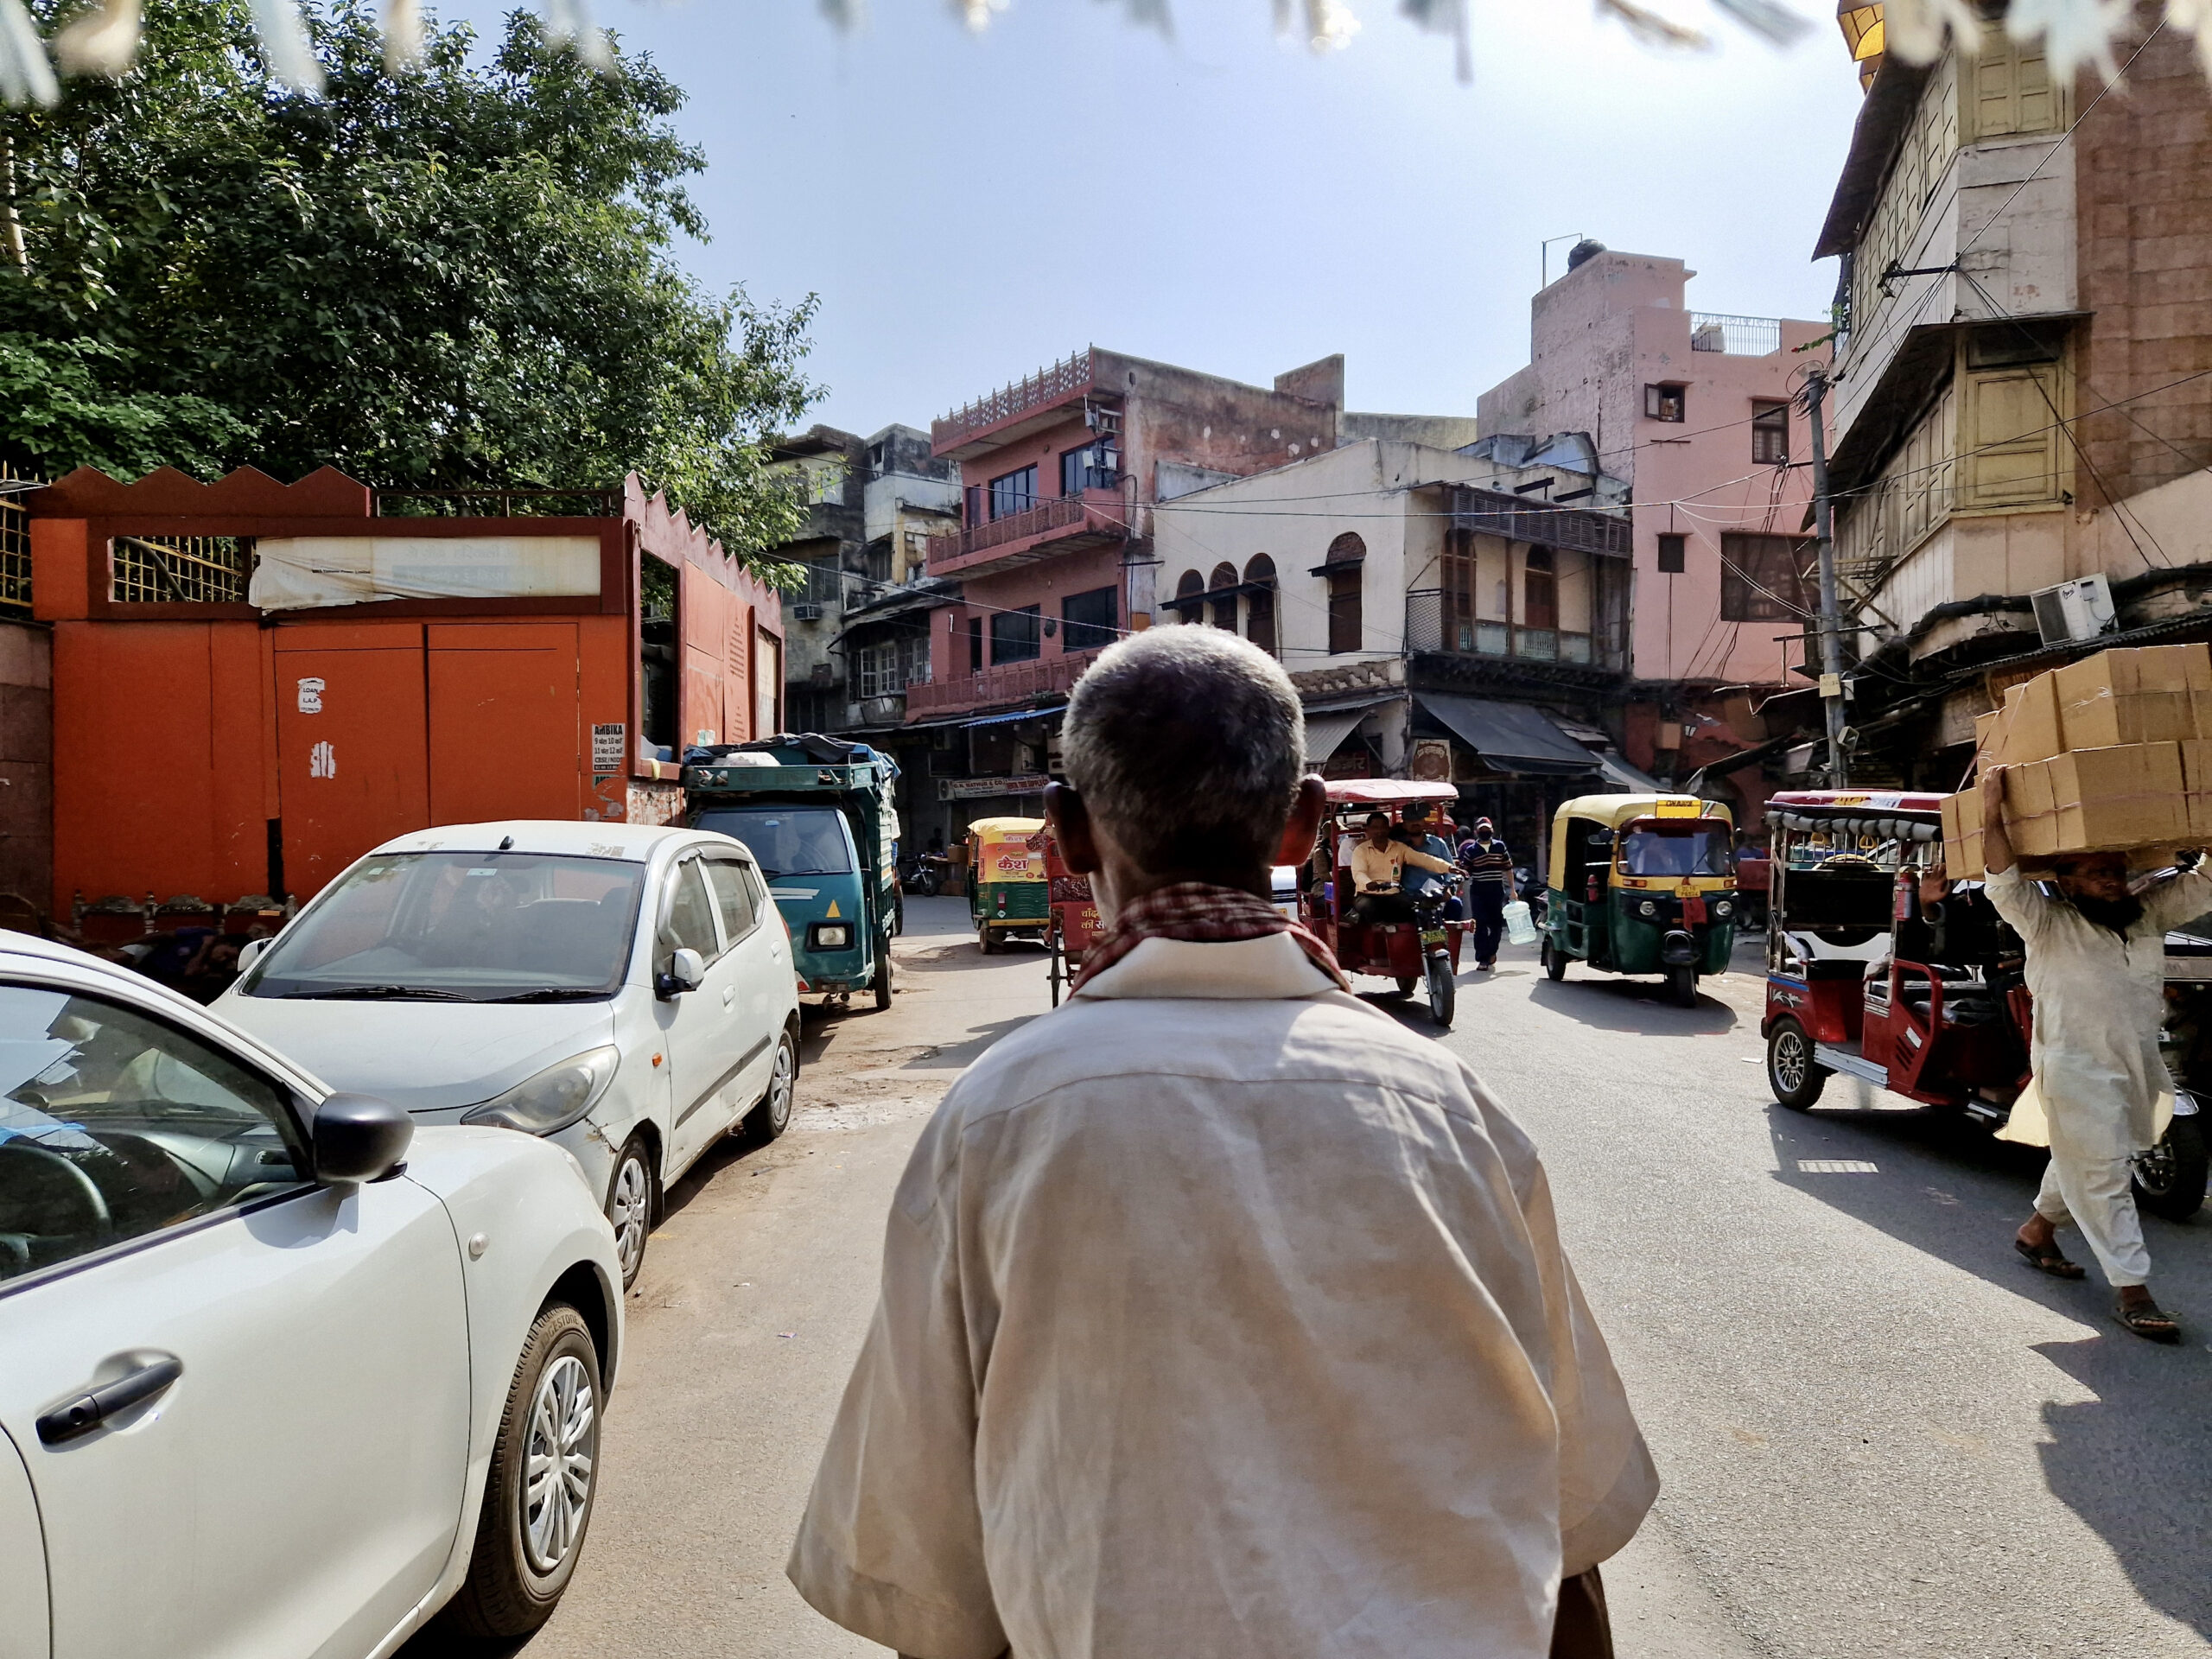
1071,375
1710,331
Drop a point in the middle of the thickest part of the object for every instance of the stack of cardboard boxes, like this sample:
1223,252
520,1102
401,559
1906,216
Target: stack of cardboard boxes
2110,753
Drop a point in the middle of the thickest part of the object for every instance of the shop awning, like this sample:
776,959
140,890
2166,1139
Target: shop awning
1018,715
1325,730
1510,736
1618,771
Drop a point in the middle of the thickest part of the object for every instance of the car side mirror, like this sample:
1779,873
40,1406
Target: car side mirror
250,953
359,1138
686,971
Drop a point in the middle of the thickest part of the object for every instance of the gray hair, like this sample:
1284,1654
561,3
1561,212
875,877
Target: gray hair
1187,745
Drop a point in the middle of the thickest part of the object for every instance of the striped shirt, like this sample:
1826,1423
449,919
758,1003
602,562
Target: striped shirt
1491,864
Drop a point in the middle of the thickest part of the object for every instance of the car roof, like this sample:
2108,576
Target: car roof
635,841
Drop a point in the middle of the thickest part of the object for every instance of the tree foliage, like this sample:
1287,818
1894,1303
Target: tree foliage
456,276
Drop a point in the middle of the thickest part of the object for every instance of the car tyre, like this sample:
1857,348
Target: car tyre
1795,1077
630,1206
773,1114
881,983
529,1532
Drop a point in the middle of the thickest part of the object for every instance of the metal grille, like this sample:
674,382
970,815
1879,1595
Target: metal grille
15,551
1736,336
181,569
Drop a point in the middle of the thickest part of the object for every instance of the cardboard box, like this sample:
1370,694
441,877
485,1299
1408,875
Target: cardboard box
1989,734
2200,712
2031,727
2196,779
2032,810
1962,858
2126,796
1962,835
2109,719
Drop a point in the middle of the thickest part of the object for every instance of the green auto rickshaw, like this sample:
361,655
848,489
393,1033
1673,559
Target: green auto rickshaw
1006,880
1643,884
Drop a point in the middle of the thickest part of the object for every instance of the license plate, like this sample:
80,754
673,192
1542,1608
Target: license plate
1433,936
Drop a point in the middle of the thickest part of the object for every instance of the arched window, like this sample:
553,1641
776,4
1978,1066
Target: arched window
1260,602
1538,591
1347,553
1221,593
1190,596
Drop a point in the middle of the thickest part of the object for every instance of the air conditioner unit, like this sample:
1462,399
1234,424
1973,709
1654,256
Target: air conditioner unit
2074,610
806,611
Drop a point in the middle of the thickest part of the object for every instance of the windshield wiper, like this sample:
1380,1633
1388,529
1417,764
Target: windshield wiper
378,992
552,994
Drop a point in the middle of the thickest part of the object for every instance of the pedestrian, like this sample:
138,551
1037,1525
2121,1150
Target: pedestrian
1489,867
1221,1315
2096,962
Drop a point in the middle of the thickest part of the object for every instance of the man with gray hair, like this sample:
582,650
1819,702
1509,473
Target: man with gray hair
1221,1315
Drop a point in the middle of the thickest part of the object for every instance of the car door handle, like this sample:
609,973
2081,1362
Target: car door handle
729,995
89,1410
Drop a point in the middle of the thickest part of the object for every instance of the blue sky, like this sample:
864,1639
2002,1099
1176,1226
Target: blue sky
969,208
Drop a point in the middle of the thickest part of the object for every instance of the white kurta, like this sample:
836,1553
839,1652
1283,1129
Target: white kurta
1221,1316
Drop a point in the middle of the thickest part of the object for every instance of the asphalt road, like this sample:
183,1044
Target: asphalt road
1879,1432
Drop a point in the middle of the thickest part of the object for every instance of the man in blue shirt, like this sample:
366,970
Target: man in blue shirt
1419,834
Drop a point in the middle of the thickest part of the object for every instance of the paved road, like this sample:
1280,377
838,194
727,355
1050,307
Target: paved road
1880,1433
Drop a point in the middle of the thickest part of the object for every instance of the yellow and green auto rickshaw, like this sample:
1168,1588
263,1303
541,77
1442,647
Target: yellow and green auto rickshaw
1006,880
1643,884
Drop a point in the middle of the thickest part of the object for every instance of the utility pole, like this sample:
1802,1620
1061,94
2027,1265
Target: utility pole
1831,624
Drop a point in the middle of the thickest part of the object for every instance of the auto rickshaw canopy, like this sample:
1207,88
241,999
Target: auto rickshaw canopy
1615,812
1008,849
1385,792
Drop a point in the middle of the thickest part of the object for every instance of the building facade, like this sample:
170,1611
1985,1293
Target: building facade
2020,392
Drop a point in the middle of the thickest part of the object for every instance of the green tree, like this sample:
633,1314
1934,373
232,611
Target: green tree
457,276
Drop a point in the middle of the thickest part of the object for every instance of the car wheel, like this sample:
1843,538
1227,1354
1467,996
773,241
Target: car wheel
773,1114
881,985
630,1206
538,1496
1795,1077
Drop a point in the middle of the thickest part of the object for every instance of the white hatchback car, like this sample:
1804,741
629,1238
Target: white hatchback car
283,1375
626,991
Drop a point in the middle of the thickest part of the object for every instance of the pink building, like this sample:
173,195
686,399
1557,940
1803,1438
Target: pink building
1693,411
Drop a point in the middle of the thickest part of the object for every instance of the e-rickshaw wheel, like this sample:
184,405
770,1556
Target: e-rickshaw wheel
1795,1077
1681,986
2170,1178
1443,990
1554,961
1054,964
984,940
1406,984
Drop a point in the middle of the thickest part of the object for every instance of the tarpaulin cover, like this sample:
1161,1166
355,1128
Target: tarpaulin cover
1325,731
296,572
1510,736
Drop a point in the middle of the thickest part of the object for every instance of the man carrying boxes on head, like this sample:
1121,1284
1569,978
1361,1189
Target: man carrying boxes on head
2097,960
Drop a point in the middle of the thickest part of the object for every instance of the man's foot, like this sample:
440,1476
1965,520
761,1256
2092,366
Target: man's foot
2146,1319
2047,1258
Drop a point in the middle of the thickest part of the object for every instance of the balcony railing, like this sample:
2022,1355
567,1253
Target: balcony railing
1519,519
1071,375
1710,331
1009,685
1428,629
1098,516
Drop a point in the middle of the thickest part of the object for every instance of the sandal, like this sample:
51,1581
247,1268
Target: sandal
2049,1260
2148,1319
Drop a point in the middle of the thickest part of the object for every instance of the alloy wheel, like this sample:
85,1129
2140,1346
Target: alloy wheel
630,1208
1789,1061
558,1463
780,1086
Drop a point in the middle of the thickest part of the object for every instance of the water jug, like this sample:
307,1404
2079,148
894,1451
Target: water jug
1520,927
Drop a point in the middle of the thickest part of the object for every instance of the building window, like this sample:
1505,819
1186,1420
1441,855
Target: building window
1771,435
1190,596
1012,493
1762,578
1095,466
1260,602
1672,550
1090,620
1013,635
889,667
1539,590
974,644
1220,595
1667,400
1347,553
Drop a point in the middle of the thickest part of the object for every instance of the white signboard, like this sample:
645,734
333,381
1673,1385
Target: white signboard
606,753
295,572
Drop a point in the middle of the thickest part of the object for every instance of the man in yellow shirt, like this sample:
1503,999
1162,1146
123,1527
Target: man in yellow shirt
1377,864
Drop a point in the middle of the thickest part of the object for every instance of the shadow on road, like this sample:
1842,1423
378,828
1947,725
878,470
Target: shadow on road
1639,1005
2123,1461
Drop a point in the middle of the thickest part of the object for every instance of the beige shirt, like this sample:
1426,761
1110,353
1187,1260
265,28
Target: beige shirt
1221,1316
2100,1001
1381,867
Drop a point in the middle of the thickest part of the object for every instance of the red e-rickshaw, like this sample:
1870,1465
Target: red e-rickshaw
1425,951
1872,977
1071,918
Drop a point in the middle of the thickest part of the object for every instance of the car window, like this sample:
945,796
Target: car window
789,841
114,1125
687,920
734,894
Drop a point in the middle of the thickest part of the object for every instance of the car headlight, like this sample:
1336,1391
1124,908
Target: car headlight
832,935
553,1099
1647,908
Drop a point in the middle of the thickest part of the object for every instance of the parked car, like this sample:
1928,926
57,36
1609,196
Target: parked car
625,990
284,1374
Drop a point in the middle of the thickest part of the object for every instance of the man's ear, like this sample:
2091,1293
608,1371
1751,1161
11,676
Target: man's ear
1071,824
1305,815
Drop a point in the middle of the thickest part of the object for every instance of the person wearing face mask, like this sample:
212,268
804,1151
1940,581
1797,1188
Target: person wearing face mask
1490,884
2096,964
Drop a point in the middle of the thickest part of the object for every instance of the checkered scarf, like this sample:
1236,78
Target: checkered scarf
1204,914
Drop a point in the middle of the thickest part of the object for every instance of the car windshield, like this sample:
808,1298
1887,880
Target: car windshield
479,927
787,840
1700,850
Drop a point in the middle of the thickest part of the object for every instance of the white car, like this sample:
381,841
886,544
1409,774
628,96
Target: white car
626,991
279,1373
